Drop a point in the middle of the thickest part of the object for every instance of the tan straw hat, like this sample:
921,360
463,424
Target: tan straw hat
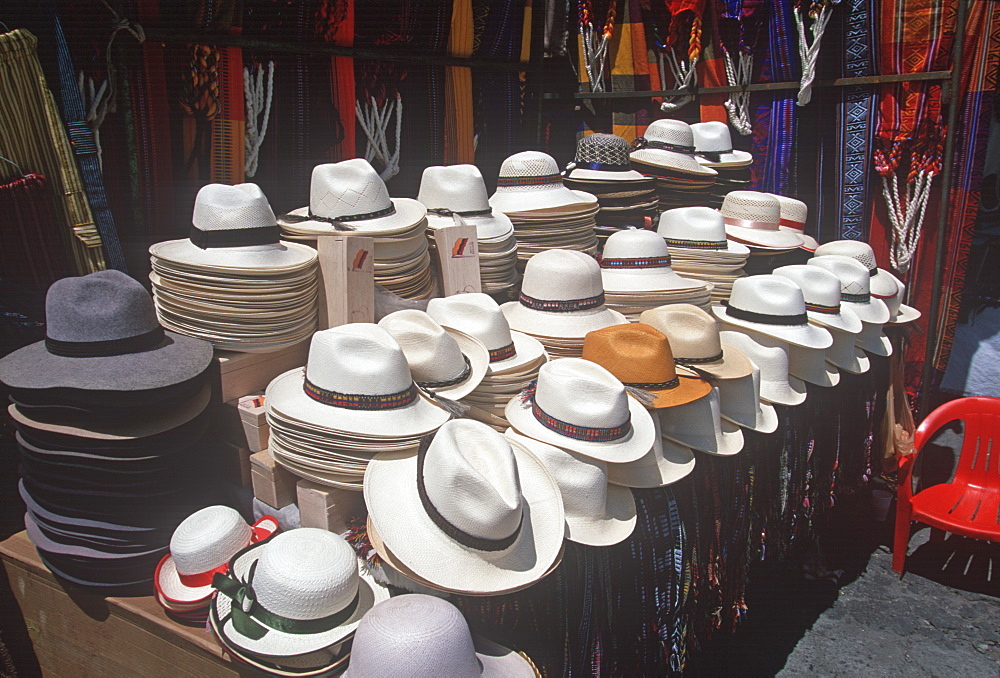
694,341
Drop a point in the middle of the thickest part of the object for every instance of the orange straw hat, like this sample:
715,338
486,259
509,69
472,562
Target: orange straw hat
640,357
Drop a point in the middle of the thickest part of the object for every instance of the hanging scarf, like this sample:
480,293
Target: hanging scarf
459,146
335,24
739,25
596,25
675,32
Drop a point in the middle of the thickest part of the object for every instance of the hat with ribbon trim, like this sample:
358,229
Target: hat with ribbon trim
602,157
531,180
636,260
793,218
667,145
713,146
754,218
460,189
697,228
855,287
695,343
821,291
773,306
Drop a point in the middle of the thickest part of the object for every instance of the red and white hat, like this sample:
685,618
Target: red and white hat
793,218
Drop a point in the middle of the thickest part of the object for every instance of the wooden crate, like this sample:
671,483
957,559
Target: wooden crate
77,633
239,374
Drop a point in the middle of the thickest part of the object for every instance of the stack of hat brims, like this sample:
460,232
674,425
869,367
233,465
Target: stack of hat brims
545,213
349,198
666,153
601,167
713,145
698,247
232,283
109,412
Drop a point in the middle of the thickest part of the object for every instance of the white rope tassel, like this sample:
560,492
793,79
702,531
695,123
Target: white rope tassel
374,120
906,214
738,104
98,102
595,53
685,77
258,101
809,54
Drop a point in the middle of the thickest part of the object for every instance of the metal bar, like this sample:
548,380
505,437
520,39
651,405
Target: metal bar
767,86
955,96
397,56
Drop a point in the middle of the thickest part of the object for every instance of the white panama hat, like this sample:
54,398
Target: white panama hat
234,227
479,316
740,403
821,291
561,296
700,228
578,405
855,287
356,379
201,546
444,362
774,306
845,354
794,213
637,260
470,512
461,190
776,384
663,465
669,144
695,342
597,514
713,146
531,180
873,340
420,636
298,592
602,157
700,426
353,194
808,364
753,218
899,313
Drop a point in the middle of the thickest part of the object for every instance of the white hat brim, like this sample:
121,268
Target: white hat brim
631,447
276,255
404,527
646,280
663,465
276,643
875,311
499,661
777,239
168,584
737,158
527,349
582,174
905,314
488,227
818,372
739,408
508,201
876,344
672,160
809,336
859,363
725,442
408,213
615,526
765,420
571,325
791,392
285,394
732,247
845,321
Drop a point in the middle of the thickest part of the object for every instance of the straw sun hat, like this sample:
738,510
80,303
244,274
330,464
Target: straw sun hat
794,213
776,384
713,146
471,512
298,592
637,260
694,341
773,306
669,144
883,284
700,228
602,157
753,218
461,190
531,180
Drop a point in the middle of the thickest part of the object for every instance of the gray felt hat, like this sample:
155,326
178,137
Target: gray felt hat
102,335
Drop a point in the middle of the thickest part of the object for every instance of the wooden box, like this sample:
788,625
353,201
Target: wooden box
238,374
327,508
273,484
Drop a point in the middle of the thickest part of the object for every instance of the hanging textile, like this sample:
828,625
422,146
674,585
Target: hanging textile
596,25
675,28
740,24
459,145
30,229
819,12
711,68
633,69
335,24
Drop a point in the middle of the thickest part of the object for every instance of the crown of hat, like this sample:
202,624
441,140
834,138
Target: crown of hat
347,188
752,206
884,285
893,301
712,137
581,393
219,207
768,294
740,397
633,353
607,149
772,360
819,285
562,275
415,635
432,353
670,131
855,249
471,478
459,188
792,208
208,538
102,306
634,243
692,223
530,164
582,481
692,333
357,358
306,573
854,277
476,314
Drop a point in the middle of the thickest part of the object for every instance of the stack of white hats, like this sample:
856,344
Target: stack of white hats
665,152
699,249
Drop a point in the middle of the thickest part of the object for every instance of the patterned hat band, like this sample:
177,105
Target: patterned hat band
643,142
765,318
359,401
698,361
750,223
855,298
791,223
821,308
503,353
641,262
598,166
530,181
364,216
466,371
445,212
234,237
592,434
561,306
654,385
698,244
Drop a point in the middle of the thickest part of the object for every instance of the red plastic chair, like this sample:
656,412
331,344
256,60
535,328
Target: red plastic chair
970,504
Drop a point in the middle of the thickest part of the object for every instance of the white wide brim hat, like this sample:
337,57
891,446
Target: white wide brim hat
809,336
408,213
845,321
873,340
633,446
645,280
740,404
557,195
279,255
406,529
527,350
811,366
736,158
277,643
777,239
168,584
845,355
905,314
488,227
699,425
791,392
682,162
875,311
569,324
663,465
583,174
495,661
479,364
286,395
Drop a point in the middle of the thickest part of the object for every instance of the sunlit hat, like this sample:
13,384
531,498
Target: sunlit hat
776,384
636,260
753,218
700,426
695,342
713,146
739,402
669,144
460,189
531,180
855,287
697,228
774,306
793,218
899,313
821,290
602,157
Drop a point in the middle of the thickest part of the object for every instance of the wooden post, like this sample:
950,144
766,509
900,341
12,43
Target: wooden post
347,280
458,258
